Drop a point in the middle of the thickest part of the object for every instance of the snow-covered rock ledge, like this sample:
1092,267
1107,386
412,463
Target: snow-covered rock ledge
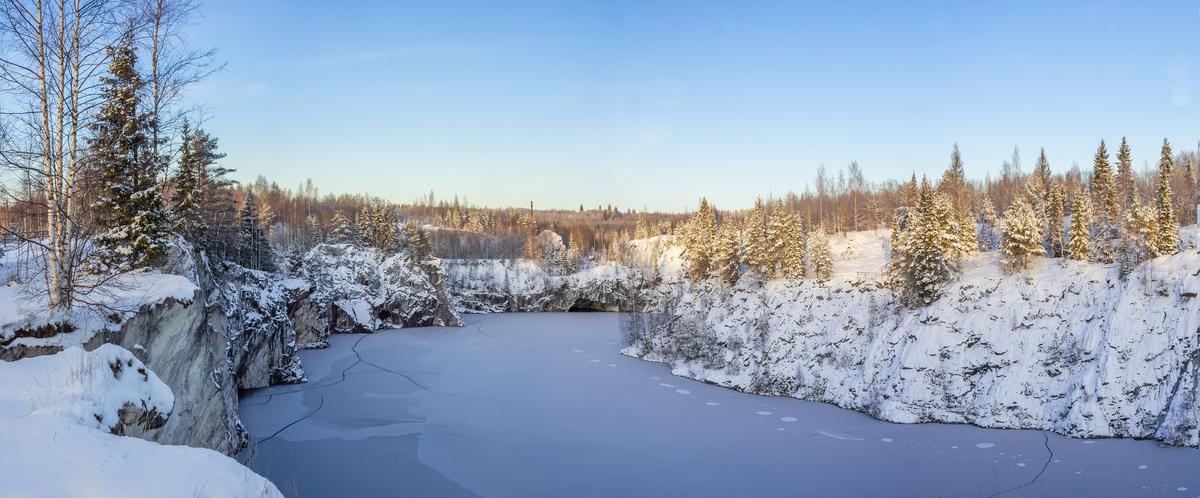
62,417
1067,347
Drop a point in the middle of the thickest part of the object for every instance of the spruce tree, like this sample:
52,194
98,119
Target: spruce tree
1038,187
187,211
780,231
1104,189
1138,245
130,209
418,240
340,231
698,241
1022,236
758,245
314,231
1079,238
364,226
1126,184
794,248
1055,207
820,256
924,264
726,258
1166,239
1105,208
385,228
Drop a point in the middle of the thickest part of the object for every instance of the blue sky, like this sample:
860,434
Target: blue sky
652,104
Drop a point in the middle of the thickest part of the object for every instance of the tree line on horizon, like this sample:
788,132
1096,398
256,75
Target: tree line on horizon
1105,216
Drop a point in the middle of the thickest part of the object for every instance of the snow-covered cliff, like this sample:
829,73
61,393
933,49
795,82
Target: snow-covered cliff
64,421
1068,347
508,285
347,288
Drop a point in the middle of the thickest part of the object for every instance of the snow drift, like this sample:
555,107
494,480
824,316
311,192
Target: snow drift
61,420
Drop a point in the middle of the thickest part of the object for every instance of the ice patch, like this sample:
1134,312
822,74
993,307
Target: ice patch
780,429
1089,442
612,364
683,391
593,361
984,445
1181,488
712,403
1142,467
788,419
382,395
576,350
668,386
887,439
763,413
655,377
839,436
1020,464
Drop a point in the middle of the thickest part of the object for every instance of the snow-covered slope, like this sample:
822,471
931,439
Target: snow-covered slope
1067,346
60,420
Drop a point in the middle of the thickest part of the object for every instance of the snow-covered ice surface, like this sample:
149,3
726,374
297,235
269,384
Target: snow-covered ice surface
513,405
57,415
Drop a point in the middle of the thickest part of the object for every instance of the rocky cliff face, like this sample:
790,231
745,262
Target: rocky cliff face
495,286
234,334
1068,347
346,288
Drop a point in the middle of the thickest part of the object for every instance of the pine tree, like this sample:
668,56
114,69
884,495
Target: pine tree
726,258
253,247
130,210
820,256
698,241
1022,232
1126,183
1055,207
340,231
1166,238
1079,238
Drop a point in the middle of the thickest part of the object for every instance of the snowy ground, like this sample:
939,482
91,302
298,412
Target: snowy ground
56,415
544,404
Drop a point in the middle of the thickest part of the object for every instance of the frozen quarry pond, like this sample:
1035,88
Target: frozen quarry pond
544,405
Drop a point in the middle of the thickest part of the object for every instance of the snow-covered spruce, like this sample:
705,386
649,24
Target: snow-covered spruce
1068,346
63,437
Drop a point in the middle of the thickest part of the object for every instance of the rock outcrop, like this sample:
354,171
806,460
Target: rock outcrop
347,288
1068,347
496,286
234,334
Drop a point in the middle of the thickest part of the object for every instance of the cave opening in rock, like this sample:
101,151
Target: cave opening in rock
585,306
385,315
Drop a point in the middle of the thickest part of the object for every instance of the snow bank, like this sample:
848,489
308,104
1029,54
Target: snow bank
1068,346
26,323
59,419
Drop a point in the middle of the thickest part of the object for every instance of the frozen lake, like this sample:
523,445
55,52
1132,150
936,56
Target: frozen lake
545,405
